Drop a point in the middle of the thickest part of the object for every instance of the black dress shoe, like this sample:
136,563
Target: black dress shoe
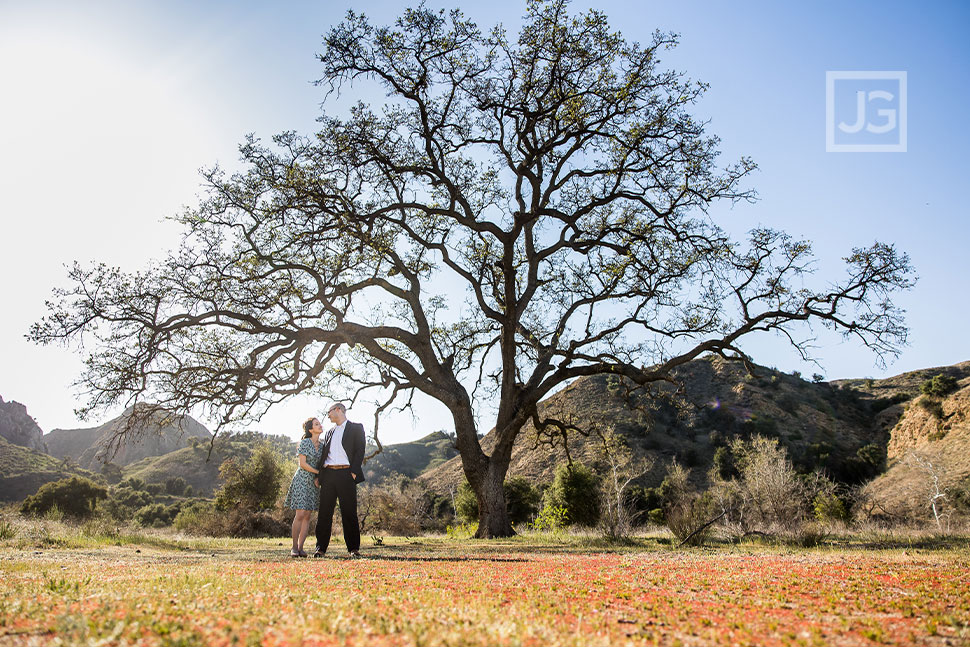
354,555
318,553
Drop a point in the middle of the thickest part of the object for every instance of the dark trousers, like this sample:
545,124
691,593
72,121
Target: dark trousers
338,485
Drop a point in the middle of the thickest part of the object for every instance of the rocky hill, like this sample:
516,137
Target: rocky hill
86,446
18,428
845,427
928,448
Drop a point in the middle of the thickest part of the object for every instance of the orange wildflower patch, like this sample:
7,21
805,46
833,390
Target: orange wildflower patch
438,598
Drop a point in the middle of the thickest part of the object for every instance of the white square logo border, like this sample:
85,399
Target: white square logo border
830,145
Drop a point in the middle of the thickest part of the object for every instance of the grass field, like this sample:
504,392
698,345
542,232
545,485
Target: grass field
165,590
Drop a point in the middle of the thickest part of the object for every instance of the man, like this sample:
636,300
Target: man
340,470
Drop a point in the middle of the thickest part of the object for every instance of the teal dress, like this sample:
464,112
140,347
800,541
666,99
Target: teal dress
303,494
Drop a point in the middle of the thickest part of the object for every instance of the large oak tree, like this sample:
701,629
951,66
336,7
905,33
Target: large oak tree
517,214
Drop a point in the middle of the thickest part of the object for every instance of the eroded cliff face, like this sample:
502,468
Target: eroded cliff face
926,421
929,453
19,428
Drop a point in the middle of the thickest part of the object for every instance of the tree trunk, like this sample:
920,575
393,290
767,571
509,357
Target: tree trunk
493,514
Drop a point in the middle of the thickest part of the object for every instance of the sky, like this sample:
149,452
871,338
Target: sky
108,110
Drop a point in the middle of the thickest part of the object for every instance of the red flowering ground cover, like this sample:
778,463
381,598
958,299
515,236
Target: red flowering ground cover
431,594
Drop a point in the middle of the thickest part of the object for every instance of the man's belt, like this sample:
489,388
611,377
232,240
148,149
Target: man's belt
337,467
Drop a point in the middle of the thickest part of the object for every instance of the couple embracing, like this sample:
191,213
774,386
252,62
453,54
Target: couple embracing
330,469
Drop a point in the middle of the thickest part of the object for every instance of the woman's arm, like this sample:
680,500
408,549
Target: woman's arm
306,466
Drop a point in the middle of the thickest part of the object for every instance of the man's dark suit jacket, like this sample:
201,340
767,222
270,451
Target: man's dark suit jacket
354,443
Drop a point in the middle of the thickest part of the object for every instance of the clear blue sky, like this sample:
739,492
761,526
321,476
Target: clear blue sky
109,109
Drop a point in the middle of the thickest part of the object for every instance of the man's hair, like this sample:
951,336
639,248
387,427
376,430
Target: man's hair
337,405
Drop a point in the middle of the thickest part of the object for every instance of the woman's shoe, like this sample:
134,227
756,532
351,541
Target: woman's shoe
302,554
295,553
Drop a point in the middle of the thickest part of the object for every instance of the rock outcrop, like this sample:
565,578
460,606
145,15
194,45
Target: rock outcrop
19,428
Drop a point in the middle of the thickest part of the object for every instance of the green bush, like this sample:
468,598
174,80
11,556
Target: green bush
74,497
111,472
196,518
552,518
932,406
576,489
175,485
939,385
253,485
157,515
873,457
134,484
685,511
829,507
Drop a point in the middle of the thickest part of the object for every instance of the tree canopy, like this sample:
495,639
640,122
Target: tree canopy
557,181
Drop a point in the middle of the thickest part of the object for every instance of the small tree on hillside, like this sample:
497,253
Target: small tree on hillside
556,177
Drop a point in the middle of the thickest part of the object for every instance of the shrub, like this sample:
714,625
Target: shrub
196,517
75,497
873,458
575,489
157,514
204,518
828,507
618,513
175,485
111,472
466,503
123,501
685,510
523,500
932,405
552,518
134,484
773,496
880,404
939,385
723,465
253,485
399,507
7,530
760,426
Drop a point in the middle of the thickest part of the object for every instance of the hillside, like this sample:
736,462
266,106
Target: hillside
410,459
930,439
24,470
86,446
198,467
18,427
838,426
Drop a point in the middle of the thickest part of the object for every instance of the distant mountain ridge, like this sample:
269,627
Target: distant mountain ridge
85,446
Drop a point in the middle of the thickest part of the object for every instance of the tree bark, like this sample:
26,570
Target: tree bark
493,514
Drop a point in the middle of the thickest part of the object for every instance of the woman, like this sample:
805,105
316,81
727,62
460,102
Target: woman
303,495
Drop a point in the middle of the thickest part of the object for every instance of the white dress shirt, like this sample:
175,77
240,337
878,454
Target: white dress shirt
338,455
